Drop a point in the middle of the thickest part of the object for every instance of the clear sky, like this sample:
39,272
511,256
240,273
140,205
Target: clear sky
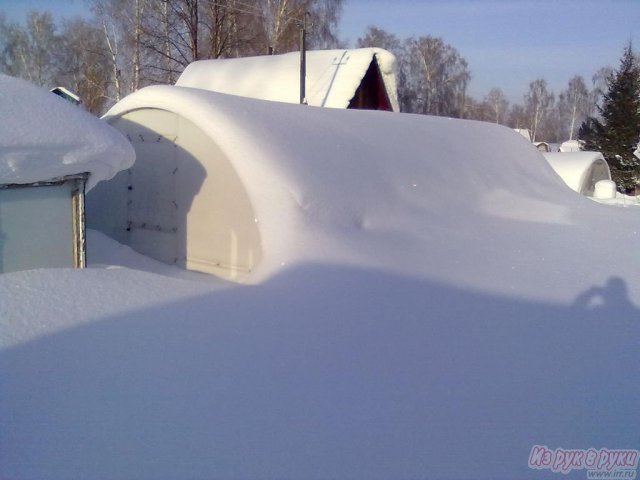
507,43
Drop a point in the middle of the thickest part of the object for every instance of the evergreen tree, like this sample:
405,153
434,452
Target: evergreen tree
617,132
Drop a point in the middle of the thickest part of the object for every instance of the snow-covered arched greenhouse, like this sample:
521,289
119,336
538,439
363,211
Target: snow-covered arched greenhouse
222,184
580,170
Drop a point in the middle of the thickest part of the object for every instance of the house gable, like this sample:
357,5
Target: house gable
371,94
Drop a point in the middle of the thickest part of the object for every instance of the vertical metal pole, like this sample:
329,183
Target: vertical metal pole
303,60
78,222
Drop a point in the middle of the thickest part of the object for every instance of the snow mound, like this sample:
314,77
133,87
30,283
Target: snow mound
43,137
321,372
434,301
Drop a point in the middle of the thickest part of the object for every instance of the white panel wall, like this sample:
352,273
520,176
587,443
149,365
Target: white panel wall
36,228
181,203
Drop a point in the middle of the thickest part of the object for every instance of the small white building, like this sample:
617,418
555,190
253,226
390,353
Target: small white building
543,147
50,152
571,146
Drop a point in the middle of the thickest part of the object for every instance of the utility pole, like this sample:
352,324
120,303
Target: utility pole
303,59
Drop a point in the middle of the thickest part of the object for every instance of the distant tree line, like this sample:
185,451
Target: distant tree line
433,79
128,44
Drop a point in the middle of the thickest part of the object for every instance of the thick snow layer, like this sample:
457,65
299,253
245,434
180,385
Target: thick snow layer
571,146
43,137
620,200
332,76
375,188
434,301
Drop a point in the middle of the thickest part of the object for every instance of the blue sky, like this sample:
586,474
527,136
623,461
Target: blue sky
507,43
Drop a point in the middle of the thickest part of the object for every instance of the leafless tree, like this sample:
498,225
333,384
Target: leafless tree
31,52
573,105
120,22
518,117
85,64
497,104
438,77
538,102
178,32
279,23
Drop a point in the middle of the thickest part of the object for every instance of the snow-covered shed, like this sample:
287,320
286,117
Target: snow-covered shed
571,146
542,146
361,78
580,170
524,132
50,151
222,183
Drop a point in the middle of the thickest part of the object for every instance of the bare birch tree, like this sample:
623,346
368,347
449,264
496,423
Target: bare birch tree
497,105
573,105
85,66
121,27
31,52
438,77
538,103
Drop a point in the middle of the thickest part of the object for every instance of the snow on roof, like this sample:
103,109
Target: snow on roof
579,170
332,76
43,136
524,132
571,146
296,161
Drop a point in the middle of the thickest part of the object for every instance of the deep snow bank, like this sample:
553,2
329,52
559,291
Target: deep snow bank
320,372
434,302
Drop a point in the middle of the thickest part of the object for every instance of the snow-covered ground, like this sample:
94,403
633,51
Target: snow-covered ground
621,200
430,306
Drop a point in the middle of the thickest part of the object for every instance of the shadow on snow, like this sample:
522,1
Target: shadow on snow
325,372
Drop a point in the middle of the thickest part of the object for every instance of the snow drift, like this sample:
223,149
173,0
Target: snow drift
433,301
